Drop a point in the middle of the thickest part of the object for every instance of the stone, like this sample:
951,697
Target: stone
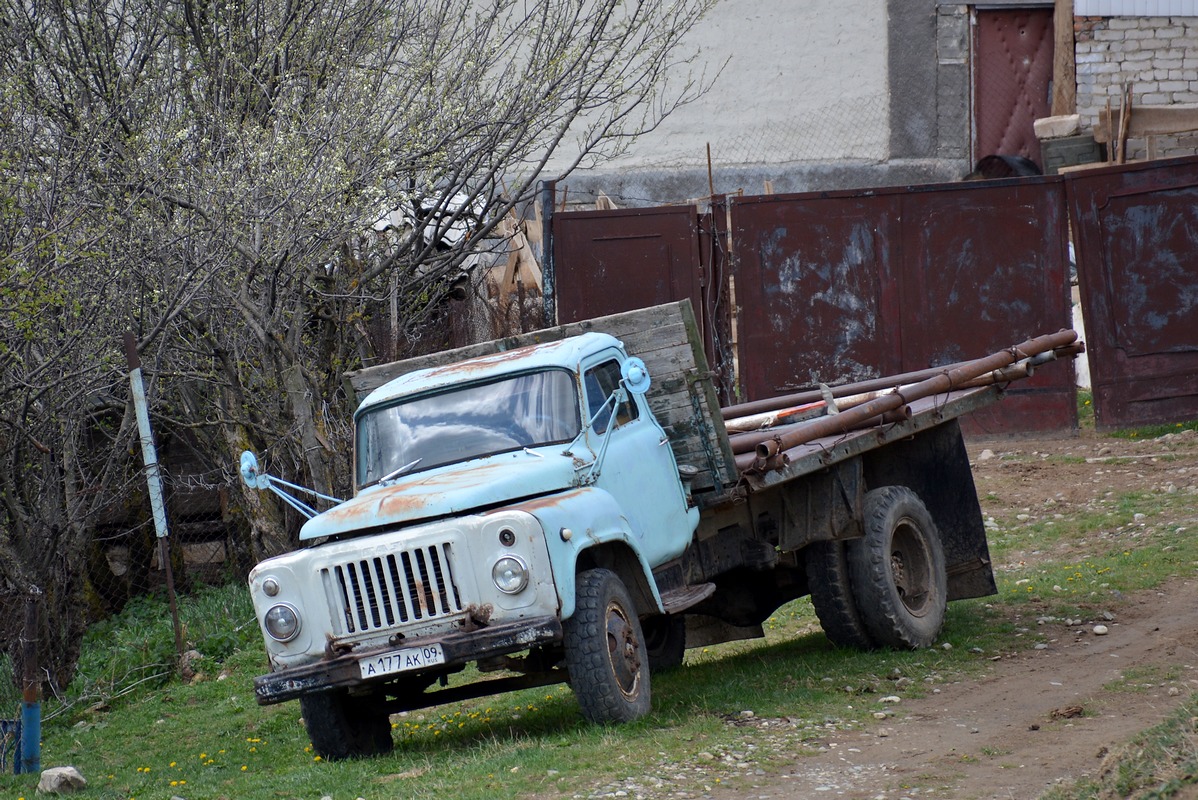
61,780
1057,127
1100,630
187,665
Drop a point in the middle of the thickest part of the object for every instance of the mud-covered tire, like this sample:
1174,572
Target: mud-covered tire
343,727
830,585
605,650
665,641
897,570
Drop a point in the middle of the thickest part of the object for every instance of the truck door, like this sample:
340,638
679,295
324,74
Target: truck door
638,467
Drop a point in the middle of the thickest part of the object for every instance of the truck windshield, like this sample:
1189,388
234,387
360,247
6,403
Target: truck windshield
466,422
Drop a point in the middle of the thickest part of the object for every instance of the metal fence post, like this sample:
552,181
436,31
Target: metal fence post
548,268
153,479
30,758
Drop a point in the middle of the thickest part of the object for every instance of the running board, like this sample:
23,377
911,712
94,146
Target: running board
681,599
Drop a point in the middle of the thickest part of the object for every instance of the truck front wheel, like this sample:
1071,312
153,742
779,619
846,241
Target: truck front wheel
605,650
341,726
897,568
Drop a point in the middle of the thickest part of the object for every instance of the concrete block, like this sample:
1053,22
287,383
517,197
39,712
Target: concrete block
1056,127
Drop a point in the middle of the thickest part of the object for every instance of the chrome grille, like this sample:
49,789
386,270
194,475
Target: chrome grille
399,588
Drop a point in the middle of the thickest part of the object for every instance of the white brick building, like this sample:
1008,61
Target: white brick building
1151,46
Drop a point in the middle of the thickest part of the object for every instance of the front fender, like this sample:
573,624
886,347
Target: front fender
575,521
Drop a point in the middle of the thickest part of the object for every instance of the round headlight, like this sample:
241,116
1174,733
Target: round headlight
510,575
282,622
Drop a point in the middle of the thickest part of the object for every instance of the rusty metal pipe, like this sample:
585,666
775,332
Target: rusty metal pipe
748,439
843,390
860,387
1027,367
747,442
774,419
746,457
944,381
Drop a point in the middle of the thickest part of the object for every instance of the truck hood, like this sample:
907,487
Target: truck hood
448,490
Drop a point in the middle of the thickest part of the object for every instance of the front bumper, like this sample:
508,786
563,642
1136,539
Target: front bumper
459,648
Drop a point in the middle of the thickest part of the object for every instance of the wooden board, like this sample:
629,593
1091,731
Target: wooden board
1148,121
1064,67
666,338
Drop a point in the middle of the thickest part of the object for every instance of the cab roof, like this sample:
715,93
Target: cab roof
565,353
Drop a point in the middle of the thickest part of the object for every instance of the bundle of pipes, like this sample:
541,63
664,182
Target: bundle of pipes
761,432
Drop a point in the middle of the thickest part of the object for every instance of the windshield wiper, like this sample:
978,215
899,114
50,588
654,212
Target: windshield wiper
395,473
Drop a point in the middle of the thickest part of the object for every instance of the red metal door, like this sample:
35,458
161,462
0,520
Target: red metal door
1012,70
1136,237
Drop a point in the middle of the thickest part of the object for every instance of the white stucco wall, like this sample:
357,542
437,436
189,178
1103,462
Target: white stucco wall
805,80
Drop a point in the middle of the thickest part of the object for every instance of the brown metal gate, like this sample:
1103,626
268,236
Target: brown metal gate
845,286
836,287
1136,235
606,262
840,286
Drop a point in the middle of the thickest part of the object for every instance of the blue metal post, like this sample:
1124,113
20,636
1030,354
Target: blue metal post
30,758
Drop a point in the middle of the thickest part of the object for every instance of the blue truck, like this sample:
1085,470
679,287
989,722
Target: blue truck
573,505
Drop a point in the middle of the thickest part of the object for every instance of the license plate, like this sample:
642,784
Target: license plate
403,660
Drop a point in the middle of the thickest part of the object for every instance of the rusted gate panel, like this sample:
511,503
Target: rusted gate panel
844,286
1136,237
608,262
612,261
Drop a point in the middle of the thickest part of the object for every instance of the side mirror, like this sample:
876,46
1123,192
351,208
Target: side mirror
635,376
249,472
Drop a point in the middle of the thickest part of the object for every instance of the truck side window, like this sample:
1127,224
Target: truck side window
600,382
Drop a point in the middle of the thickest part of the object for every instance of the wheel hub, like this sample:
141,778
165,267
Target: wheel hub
623,650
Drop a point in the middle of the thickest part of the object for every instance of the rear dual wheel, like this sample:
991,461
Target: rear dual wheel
888,588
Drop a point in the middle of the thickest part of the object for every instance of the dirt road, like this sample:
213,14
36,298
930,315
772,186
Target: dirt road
1039,716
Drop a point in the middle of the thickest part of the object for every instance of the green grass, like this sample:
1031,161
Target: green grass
159,737
136,730
1085,418
1158,763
